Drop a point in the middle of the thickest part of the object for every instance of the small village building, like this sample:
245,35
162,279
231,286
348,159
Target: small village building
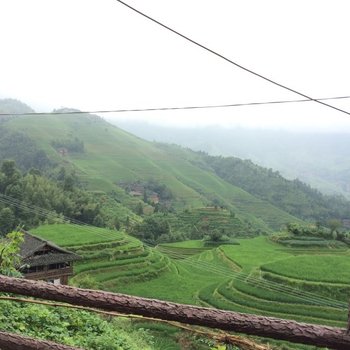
43,260
136,193
154,198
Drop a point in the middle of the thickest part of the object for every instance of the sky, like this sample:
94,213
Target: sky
100,55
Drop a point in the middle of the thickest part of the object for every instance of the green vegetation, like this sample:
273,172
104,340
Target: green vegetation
294,197
319,268
240,279
75,328
319,159
68,235
69,145
9,257
313,236
112,156
223,210
59,198
21,148
107,256
62,325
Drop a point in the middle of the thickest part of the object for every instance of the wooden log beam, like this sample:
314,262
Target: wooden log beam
11,341
322,336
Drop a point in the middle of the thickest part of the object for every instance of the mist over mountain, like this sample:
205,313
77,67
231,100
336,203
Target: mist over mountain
10,105
319,159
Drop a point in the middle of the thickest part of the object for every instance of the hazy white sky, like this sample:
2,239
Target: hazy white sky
97,54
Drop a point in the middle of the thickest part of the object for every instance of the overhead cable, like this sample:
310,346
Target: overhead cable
72,112
229,60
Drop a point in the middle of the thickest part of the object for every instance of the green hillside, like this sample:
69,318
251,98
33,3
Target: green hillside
294,197
103,156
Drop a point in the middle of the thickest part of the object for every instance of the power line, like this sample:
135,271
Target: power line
175,108
229,60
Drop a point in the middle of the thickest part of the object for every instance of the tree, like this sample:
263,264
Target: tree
7,220
9,257
127,222
152,228
8,168
334,225
139,209
215,235
294,228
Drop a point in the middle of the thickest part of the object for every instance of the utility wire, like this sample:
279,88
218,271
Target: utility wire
177,108
229,60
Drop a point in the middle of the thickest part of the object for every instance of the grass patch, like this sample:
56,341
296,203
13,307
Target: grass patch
68,235
331,268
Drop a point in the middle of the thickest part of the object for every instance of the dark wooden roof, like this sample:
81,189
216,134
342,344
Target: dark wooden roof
33,244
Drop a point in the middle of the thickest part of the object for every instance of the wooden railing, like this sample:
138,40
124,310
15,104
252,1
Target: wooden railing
322,336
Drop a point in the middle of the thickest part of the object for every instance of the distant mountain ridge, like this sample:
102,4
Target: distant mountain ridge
10,105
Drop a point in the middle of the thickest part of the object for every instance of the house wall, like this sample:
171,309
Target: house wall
51,275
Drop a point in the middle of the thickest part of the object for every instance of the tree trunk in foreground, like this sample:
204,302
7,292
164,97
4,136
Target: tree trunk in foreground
323,336
11,341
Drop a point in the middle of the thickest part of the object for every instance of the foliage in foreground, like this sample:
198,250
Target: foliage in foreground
9,257
76,328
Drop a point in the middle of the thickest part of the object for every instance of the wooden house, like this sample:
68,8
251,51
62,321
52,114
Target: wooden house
43,260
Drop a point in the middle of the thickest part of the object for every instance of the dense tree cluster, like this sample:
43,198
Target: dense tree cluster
60,197
153,229
21,148
332,231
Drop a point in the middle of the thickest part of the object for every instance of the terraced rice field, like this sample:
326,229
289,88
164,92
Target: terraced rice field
235,278
316,293
110,257
213,218
257,276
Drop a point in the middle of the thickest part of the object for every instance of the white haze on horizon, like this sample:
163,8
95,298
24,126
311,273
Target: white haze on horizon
99,55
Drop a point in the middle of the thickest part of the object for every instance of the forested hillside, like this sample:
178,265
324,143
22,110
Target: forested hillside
60,198
318,159
293,196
